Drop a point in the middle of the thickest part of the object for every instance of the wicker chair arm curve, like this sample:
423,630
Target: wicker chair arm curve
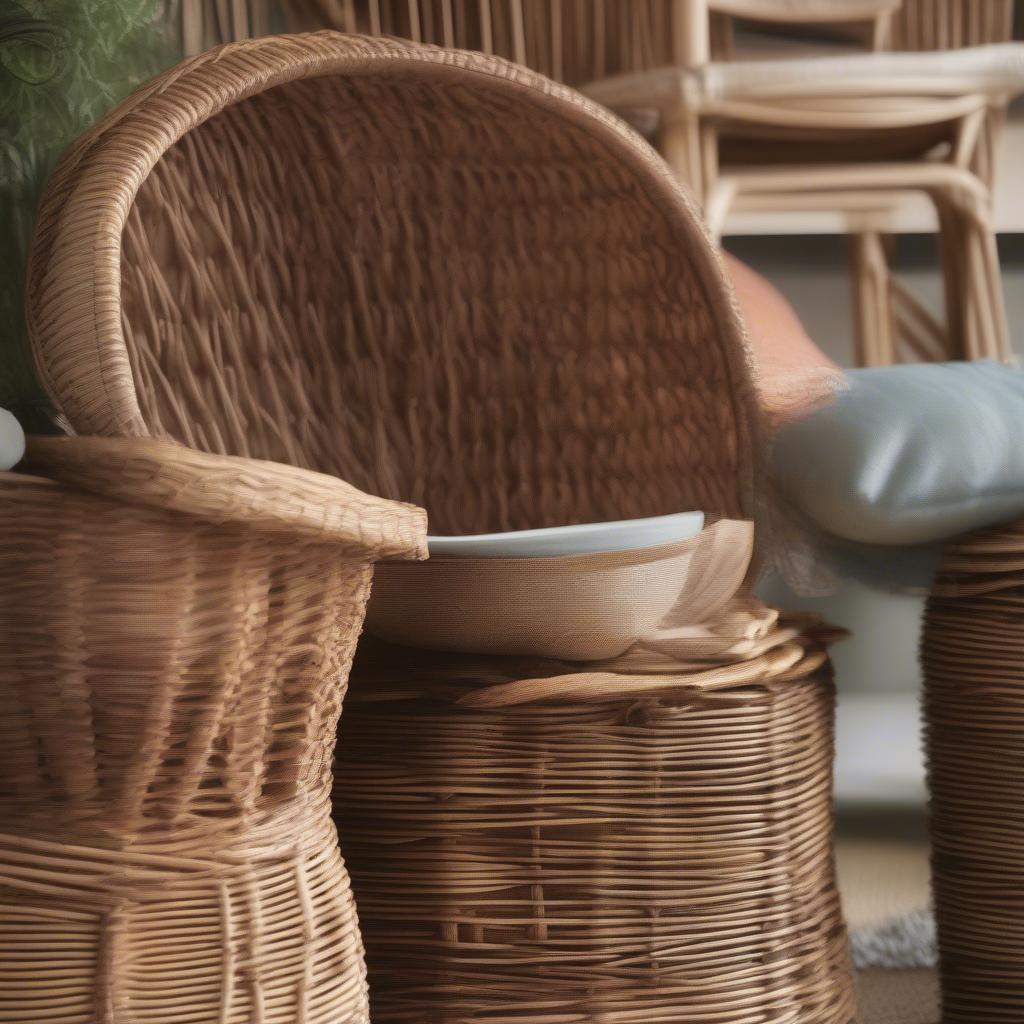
264,496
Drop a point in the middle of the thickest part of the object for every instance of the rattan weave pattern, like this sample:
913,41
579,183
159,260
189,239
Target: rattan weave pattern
313,211
170,684
567,861
972,652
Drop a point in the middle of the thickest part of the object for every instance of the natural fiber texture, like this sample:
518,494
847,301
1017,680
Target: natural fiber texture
555,853
950,24
414,269
974,702
170,684
264,496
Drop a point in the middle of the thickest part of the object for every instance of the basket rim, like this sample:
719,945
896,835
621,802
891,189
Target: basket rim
88,199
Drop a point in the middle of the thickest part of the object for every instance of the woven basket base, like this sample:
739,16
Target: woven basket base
244,935
645,861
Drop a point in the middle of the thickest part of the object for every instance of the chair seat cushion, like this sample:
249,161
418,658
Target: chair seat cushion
993,69
909,454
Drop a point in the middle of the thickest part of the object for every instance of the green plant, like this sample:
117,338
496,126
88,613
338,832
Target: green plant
63,64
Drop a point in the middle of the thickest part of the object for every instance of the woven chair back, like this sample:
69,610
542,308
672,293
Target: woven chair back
439,277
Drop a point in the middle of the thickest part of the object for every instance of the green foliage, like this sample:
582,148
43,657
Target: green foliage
63,65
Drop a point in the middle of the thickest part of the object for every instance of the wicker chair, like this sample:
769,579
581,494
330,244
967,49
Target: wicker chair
446,279
176,630
232,319
972,639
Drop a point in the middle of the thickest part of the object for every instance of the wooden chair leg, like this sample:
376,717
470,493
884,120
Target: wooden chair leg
680,142
972,281
873,315
1000,344
951,252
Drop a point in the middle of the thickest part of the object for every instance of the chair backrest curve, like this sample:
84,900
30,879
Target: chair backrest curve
434,274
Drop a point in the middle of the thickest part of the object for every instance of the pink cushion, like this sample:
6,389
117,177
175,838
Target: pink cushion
793,375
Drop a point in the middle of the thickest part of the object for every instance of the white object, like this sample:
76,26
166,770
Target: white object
581,539
12,440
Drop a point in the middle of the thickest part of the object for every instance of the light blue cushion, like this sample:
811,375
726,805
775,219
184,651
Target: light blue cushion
910,454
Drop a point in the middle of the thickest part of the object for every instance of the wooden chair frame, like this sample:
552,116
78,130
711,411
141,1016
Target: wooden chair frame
692,124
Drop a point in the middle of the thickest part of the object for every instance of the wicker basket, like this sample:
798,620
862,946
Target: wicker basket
971,653
449,281
662,857
175,634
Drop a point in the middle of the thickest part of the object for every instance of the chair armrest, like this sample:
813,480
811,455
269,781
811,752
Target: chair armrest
979,73
265,496
804,11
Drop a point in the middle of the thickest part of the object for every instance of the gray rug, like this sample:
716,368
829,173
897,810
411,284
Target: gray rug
907,941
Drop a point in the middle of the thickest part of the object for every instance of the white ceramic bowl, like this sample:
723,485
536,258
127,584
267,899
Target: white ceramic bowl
572,592
582,539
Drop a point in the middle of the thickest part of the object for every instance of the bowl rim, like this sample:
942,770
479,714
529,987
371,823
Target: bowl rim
574,539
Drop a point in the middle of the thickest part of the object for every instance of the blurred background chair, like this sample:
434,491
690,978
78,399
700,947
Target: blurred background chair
855,135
